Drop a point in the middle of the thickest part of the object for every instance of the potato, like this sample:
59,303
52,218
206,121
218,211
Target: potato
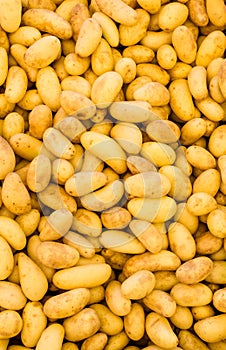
194,270
66,304
191,295
156,325
11,296
219,299
110,323
121,242
190,341
87,222
87,276
211,109
201,312
178,234
57,225
65,148
48,21
15,195
88,38
12,232
221,79
114,293
30,100
11,13
102,59
197,82
4,344
180,71
172,16
201,203
212,47
211,329
34,323
160,154
29,222
7,156
154,72
200,158
52,336
119,340
131,286
180,36
16,84
33,282
192,130
115,218
83,183
109,28
12,124
25,35
134,322
131,111
217,141
217,275
167,307
164,260
3,65
96,341
182,318
216,222
18,51
139,53
7,264
39,173
166,56
82,325
207,243
197,12
154,40
77,84
151,93
11,324
216,13
69,346
48,87
119,11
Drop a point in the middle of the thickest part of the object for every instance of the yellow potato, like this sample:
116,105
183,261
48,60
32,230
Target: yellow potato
48,21
65,149
212,47
160,154
65,7
77,84
34,323
109,28
110,323
66,304
181,100
147,234
201,312
83,183
126,67
102,59
201,203
219,300
56,225
88,38
11,296
167,307
4,344
217,141
121,242
131,286
40,118
207,243
33,282
69,346
49,88
164,260
137,164
152,7
216,12
194,270
116,301
151,93
211,109
15,195
154,72
39,173
11,324
134,322
12,232
62,170
115,218
172,16
52,336
154,40
192,130
221,79
3,65
182,318
119,11
87,276
166,56
133,111
189,341
128,136
12,124
139,53
82,325
119,341
156,325
7,158
11,12
87,222
184,44
200,158
180,71
208,181
217,275
16,84
25,35
29,222
76,65
77,104
30,100
211,329
132,34
96,341
197,12
18,51
7,264
178,234
197,82
191,295
91,162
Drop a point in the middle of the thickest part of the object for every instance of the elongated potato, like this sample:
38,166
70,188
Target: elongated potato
3,65
12,232
211,329
110,323
102,59
172,15
217,141
191,295
121,242
194,270
119,11
182,318
197,82
48,87
7,158
134,322
178,234
83,183
184,44
109,28
16,84
201,203
216,12
25,35
190,341
39,173
11,12
97,341
11,324
88,38
200,158
119,304
212,47
52,336
168,304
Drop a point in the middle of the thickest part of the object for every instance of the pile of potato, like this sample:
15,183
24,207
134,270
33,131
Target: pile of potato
113,175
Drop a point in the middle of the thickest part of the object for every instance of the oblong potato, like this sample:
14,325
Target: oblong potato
83,183
7,264
7,158
121,242
11,12
119,304
168,304
131,286
12,232
77,104
52,336
211,329
200,158
191,295
194,270
172,15
212,47
119,11
48,87
109,28
3,65
16,84
178,234
184,44
201,203
25,35
39,173
88,38
11,296
11,324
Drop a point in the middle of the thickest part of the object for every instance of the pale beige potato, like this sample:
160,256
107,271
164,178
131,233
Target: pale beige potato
134,322
82,183
16,84
34,323
194,270
137,164
102,59
48,21
184,44
119,11
24,35
11,324
132,111
200,157
110,323
211,329
181,241
52,336
82,325
172,15
11,12
117,302
109,28
139,53
63,148
49,88
39,173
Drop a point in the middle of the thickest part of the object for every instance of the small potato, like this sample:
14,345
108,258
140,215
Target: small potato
11,12
33,282
134,322
119,11
109,28
11,296
7,158
181,100
62,170
57,225
12,124
52,336
7,264
166,56
182,318
115,299
110,323
3,65
154,72
192,130
137,164
156,325
139,53
152,7
210,109
18,51
82,325
12,232
121,242
66,304
126,67
160,154
181,241
11,324
43,52
88,38
131,286
16,84
96,341
216,12
197,82
29,222
131,35
208,181
48,21
217,141
212,47
30,100
194,270
218,275
211,329
34,323
65,149
189,341
180,71
83,183
102,60
57,255
151,93
87,222
115,218
128,136
164,260
197,12
201,203
184,44
200,158
76,65
172,16
118,341
15,195
48,87
154,40
40,118
39,173
167,308
191,295
207,243
25,35
201,312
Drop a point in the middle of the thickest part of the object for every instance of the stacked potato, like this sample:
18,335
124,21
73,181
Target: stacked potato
113,175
